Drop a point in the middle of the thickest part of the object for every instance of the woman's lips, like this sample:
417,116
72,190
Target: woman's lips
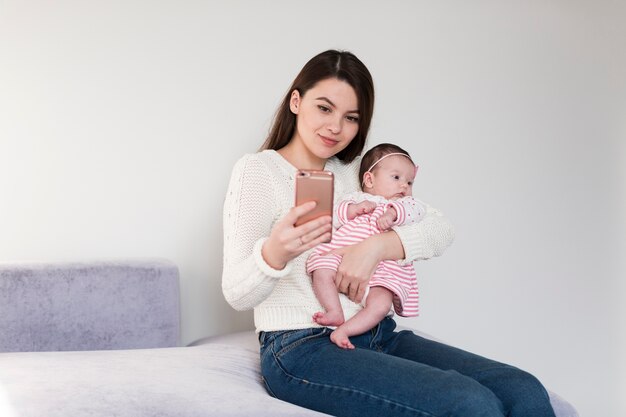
328,141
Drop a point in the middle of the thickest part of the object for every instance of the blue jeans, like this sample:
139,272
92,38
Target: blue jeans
394,374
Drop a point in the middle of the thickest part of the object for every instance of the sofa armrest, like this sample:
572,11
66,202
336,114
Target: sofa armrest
89,306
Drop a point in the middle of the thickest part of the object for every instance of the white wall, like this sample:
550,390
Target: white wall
120,121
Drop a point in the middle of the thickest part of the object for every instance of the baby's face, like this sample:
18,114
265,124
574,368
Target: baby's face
392,178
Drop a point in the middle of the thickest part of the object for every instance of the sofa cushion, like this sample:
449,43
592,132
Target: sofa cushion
218,376
89,306
208,380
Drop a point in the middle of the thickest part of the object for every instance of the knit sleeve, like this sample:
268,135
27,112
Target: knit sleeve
427,238
248,218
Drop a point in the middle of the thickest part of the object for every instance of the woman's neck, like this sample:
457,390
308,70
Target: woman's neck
300,157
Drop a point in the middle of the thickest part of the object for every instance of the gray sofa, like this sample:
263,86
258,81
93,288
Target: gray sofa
102,339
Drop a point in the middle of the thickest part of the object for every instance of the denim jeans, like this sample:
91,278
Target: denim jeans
394,374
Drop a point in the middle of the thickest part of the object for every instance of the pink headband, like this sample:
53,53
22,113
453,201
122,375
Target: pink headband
390,154
383,157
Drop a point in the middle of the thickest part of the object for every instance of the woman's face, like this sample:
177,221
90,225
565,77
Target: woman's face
327,117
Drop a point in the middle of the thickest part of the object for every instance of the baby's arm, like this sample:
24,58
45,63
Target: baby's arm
350,208
356,209
387,219
404,211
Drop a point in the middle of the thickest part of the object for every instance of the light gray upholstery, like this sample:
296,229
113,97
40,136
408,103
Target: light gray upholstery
209,380
88,306
122,305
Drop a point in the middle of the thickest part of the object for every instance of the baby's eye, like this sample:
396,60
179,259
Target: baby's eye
410,183
396,177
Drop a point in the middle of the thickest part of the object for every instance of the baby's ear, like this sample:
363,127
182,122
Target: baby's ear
368,180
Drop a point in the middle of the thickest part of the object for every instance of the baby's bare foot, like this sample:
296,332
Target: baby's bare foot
329,318
341,339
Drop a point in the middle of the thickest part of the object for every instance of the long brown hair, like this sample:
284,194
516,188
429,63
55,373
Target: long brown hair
343,66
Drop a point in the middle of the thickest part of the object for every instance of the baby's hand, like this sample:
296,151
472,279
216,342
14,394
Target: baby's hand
357,209
387,220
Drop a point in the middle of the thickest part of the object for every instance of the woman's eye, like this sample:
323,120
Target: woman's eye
353,119
323,108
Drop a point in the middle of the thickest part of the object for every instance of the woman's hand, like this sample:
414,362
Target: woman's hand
287,241
359,261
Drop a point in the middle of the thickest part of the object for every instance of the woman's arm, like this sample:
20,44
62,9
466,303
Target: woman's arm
426,239
420,241
359,262
257,247
247,220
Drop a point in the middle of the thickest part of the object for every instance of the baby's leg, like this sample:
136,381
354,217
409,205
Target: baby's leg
326,293
376,308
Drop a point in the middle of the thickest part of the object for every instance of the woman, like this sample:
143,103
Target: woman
322,123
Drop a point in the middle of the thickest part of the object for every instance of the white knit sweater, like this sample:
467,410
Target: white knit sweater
261,192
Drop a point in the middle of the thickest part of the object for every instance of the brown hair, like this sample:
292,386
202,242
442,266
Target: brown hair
377,152
343,66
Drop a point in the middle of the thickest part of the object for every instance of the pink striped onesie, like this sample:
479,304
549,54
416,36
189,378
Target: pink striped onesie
399,279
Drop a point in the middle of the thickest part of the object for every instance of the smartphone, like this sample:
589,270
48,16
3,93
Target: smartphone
315,186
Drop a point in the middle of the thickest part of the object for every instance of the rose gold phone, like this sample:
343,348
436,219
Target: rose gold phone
315,186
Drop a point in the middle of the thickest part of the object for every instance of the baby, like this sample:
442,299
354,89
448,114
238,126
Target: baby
387,173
